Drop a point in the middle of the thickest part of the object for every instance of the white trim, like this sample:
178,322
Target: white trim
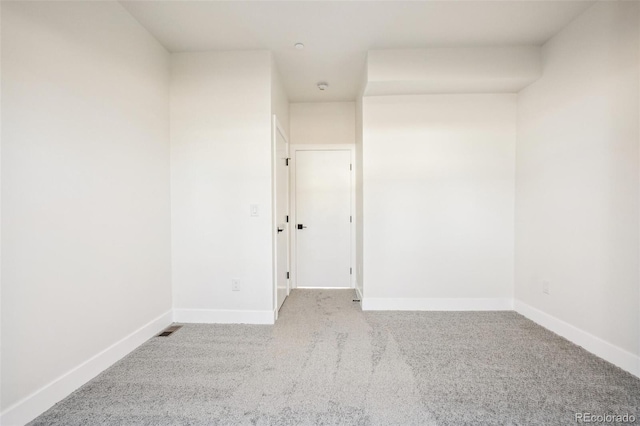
44,398
293,148
597,346
219,316
275,128
436,304
323,147
324,288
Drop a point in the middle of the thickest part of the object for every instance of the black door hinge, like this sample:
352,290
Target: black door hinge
350,271
350,166
287,275
287,219
350,218
286,161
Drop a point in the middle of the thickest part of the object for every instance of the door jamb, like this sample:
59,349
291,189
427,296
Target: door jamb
275,128
293,148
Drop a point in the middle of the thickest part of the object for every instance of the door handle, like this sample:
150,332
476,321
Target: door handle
301,226
280,229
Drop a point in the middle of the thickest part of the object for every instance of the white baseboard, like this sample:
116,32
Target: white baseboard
323,288
216,316
597,346
436,304
44,398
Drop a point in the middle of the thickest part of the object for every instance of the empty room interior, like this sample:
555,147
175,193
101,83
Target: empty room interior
320,212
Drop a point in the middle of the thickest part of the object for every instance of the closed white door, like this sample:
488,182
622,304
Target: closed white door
281,217
323,218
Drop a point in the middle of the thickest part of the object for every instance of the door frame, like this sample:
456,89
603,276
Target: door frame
275,128
293,149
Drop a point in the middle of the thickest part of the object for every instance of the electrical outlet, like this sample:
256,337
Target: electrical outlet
235,284
253,208
545,287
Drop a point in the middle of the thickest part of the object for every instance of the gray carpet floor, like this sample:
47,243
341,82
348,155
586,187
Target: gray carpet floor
326,362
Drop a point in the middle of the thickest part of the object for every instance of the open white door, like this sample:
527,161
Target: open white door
323,218
281,214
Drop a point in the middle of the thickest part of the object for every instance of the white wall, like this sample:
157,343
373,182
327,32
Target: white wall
447,70
323,123
220,165
279,98
360,279
359,205
578,180
438,194
85,191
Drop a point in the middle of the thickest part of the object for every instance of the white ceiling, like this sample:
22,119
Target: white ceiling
337,34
